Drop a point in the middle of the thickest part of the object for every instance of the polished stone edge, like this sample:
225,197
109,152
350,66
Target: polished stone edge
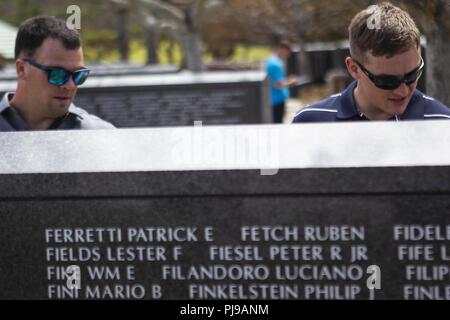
298,182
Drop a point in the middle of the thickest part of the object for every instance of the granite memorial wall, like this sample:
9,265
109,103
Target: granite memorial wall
317,211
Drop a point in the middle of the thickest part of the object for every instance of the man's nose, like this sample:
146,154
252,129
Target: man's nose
402,90
69,85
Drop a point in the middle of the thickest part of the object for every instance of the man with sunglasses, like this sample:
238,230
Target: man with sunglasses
50,67
386,63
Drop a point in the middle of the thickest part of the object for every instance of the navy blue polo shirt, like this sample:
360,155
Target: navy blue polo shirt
342,107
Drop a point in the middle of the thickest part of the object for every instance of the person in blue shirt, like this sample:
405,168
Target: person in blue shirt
279,83
386,63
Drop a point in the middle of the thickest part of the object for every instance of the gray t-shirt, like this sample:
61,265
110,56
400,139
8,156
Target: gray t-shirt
76,118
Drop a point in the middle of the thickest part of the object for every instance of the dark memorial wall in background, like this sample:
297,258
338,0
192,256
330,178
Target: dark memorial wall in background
228,212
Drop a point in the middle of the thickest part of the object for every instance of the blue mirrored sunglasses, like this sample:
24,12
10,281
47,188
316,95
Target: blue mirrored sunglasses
59,76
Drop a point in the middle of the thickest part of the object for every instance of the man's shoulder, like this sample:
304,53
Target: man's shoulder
273,62
273,59
321,111
434,109
89,121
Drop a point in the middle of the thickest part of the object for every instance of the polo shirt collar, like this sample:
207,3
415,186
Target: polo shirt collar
4,103
347,107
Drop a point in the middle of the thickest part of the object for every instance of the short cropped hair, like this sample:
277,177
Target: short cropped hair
34,31
382,30
285,45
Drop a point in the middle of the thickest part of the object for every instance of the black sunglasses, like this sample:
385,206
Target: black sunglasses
387,82
60,76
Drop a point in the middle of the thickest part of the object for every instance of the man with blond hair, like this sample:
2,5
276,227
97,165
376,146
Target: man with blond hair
386,64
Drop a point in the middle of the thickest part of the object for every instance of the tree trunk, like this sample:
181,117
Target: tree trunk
152,43
192,51
434,17
122,33
438,69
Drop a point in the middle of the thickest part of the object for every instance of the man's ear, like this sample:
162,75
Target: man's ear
352,68
20,69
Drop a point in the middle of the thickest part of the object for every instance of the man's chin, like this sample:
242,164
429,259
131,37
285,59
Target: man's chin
398,108
59,109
